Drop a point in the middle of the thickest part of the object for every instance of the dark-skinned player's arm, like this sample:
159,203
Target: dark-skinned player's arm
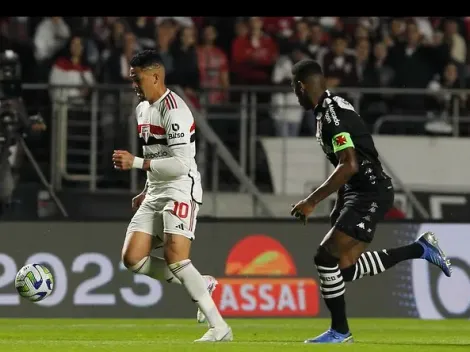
346,168
343,147
340,126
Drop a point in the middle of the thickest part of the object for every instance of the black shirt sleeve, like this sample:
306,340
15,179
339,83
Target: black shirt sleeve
339,122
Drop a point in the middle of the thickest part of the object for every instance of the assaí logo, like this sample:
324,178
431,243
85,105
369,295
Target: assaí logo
262,282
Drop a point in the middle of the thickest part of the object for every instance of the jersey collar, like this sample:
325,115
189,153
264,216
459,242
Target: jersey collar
325,94
162,97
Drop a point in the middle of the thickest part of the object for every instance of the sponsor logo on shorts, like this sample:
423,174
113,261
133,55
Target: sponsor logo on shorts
261,281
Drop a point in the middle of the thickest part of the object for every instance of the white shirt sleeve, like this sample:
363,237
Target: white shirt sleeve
178,124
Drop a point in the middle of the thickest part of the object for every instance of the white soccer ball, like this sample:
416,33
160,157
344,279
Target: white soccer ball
34,282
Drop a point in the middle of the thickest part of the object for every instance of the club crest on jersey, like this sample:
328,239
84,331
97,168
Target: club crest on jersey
145,132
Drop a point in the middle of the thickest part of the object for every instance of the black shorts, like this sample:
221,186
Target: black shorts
358,213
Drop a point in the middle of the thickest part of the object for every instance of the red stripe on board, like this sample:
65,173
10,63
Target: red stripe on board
157,130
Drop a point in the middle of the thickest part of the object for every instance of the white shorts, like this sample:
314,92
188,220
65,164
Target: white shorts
159,216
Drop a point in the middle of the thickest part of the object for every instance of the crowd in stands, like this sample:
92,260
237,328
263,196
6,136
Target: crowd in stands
201,53
205,52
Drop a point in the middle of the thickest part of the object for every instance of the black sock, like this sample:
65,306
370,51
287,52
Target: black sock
332,289
373,263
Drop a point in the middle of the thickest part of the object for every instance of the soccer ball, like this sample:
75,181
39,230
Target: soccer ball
34,282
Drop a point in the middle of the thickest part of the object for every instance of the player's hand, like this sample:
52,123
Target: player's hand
123,160
137,201
302,210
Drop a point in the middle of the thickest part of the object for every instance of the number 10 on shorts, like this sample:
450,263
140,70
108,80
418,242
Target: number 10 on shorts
181,210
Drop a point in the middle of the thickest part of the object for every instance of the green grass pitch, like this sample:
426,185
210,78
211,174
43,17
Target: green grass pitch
251,335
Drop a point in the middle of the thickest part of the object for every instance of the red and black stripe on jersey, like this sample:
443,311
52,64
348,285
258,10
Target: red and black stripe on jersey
167,104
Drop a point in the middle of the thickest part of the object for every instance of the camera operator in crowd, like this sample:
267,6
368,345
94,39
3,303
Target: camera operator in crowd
15,124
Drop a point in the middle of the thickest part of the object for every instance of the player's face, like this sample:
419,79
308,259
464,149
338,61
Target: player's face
135,75
302,96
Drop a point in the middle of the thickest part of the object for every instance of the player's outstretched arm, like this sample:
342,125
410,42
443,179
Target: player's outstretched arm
346,168
176,165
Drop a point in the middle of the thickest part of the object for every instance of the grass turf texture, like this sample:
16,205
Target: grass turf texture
257,335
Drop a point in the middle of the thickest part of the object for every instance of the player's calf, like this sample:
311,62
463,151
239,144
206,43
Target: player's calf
332,288
176,250
376,262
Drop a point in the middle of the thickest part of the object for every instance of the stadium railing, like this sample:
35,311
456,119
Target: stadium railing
79,133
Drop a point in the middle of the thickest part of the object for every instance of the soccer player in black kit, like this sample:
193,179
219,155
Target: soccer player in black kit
364,194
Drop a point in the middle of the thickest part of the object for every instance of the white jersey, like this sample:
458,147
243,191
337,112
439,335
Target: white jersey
167,128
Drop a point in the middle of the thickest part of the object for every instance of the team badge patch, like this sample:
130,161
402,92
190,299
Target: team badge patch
145,132
342,141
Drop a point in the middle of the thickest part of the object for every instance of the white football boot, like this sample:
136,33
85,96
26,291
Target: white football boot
211,286
223,334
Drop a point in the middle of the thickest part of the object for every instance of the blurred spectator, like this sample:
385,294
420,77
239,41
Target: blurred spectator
457,45
14,31
425,29
302,35
338,65
144,29
166,34
14,35
444,102
286,112
281,27
414,65
371,24
241,28
330,23
102,28
213,67
361,33
51,35
117,105
116,70
380,67
253,55
376,74
72,69
186,67
317,46
362,59
178,21
395,32
116,39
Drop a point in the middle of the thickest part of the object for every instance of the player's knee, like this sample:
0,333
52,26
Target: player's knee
130,259
323,257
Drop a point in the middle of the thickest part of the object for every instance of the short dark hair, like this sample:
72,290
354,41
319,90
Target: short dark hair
306,68
146,58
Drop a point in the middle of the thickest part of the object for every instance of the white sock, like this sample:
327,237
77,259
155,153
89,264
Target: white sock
196,286
155,268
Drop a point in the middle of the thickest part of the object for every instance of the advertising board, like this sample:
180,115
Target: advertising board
265,269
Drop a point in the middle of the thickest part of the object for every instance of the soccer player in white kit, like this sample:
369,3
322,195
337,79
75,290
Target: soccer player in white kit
167,208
